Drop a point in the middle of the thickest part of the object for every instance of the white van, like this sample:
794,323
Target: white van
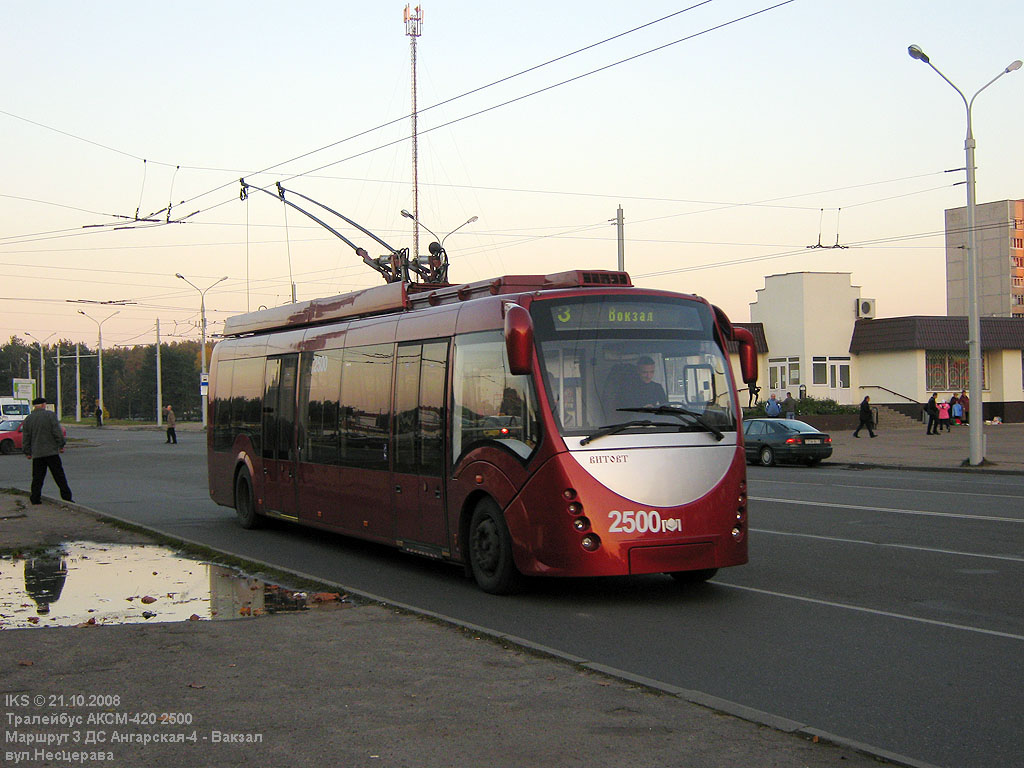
14,409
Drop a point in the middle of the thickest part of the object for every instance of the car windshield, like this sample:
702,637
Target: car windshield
650,361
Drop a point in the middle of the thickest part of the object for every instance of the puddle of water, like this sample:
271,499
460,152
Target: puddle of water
82,582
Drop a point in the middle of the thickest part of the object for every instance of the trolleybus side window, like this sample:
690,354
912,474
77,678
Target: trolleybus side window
237,408
419,407
490,404
366,406
279,408
320,385
223,437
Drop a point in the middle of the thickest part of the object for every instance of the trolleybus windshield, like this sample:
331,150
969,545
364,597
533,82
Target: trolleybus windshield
611,359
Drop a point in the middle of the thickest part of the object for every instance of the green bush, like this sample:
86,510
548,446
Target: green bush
809,405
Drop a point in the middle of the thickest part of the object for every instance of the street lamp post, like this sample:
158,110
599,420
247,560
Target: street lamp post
974,318
42,365
99,356
202,322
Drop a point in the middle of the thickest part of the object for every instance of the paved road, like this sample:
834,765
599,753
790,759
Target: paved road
882,606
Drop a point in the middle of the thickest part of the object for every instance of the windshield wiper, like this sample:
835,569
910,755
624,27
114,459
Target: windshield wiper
612,429
679,412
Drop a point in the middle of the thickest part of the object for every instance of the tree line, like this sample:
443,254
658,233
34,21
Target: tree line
129,376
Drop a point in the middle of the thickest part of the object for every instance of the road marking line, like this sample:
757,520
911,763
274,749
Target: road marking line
874,611
1018,497
1011,558
886,509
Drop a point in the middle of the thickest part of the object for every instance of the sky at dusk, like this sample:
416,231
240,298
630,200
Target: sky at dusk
733,133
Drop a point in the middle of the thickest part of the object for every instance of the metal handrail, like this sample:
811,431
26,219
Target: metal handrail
898,394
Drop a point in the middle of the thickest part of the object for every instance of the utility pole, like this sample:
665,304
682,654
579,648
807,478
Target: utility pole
413,25
78,382
621,232
159,380
60,412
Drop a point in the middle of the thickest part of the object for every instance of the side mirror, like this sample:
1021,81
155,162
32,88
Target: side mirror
748,354
518,339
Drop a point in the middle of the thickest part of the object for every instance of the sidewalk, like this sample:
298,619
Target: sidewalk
911,448
362,685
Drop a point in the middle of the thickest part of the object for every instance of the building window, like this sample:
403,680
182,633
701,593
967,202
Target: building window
819,371
947,371
783,372
794,370
1018,261
1018,242
1018,281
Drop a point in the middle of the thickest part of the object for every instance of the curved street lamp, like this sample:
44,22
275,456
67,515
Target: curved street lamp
42,365
202,322
974,319
99,354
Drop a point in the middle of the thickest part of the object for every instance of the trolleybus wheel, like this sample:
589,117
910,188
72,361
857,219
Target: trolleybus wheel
490,550
245,506
693,577
766,456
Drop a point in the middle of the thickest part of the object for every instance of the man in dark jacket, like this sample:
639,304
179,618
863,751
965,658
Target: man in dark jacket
867,418
43,441
931,408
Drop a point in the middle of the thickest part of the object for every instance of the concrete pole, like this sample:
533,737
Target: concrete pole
620,227
60,412
78,382
159,381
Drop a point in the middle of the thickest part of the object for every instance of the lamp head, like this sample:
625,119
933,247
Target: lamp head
916,53
1014,66
408,215
472,219
82,312
178,274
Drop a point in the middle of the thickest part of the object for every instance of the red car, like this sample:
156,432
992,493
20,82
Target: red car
10,436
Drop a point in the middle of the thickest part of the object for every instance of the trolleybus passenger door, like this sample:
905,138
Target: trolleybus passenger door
418,440
279,454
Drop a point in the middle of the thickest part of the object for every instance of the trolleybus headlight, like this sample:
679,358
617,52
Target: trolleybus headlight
581,524
590,542
575,508
737,533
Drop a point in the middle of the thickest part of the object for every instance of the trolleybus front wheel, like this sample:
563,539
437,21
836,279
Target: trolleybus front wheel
490,550
245,505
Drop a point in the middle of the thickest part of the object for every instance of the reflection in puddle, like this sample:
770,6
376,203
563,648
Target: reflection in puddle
87,583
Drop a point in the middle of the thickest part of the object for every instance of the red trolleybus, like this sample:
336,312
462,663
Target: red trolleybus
562,425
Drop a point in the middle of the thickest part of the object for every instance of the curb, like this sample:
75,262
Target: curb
700,698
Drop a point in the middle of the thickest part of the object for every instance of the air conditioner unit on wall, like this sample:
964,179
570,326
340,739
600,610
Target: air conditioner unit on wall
866,308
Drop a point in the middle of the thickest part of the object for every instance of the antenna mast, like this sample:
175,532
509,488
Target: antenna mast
413,23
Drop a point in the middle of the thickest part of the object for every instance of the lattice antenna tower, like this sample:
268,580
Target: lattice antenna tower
413,29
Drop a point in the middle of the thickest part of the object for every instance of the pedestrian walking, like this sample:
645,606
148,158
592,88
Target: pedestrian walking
943,415
99,414
789,406
43,442
932,411
172,436
772,408
867,418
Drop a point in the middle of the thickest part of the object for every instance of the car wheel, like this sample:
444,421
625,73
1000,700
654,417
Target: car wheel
694,577
490,550
7,447
245,505
766,456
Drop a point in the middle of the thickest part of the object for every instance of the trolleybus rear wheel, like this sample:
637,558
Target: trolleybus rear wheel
245,506
490,550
